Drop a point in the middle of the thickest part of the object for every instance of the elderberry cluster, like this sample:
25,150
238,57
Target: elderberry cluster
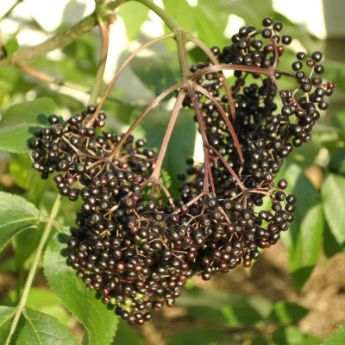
133,243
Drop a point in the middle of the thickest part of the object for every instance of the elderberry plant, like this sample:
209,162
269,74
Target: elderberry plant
133,242
140,236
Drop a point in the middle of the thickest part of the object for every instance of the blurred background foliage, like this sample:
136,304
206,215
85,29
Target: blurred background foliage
295,294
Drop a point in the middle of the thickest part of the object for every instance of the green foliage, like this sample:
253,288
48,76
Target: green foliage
127,335
304,239
21,120
16,215
34,328
180,143
100,322
334,205
216,317
288,313
133,22
293,336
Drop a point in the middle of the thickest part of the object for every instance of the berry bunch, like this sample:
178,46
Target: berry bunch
137,246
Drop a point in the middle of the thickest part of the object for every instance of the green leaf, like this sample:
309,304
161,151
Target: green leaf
34,328
11,46
287,313
337,162
42,300
209,30
157,72
21,170
28,179
183,13
293,336
100,322
20,121
202,336
128,335
181,143
6,314
304,238
248,9
166,179
133,22
337,338
219,307
333,194
330,245
16,215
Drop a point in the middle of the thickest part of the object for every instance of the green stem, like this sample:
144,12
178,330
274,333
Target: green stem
87,24
58,41
104,31
173,26
33,268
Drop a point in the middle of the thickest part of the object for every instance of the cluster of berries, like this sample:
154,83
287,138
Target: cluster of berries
137,246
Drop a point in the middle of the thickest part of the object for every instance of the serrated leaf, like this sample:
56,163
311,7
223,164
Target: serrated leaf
304,238
6,315
287,313
100,322
16,215
20,121
333,195
42,300
134,16
35,328
337,338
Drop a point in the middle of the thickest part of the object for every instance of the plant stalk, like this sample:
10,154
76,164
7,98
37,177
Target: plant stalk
104,31
33,268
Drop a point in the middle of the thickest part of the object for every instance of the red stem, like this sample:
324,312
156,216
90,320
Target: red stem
207,168
225,118
215,61
121,69
153,104
167,136
228,166
232,67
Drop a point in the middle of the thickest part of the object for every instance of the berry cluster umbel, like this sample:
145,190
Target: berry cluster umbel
137,246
